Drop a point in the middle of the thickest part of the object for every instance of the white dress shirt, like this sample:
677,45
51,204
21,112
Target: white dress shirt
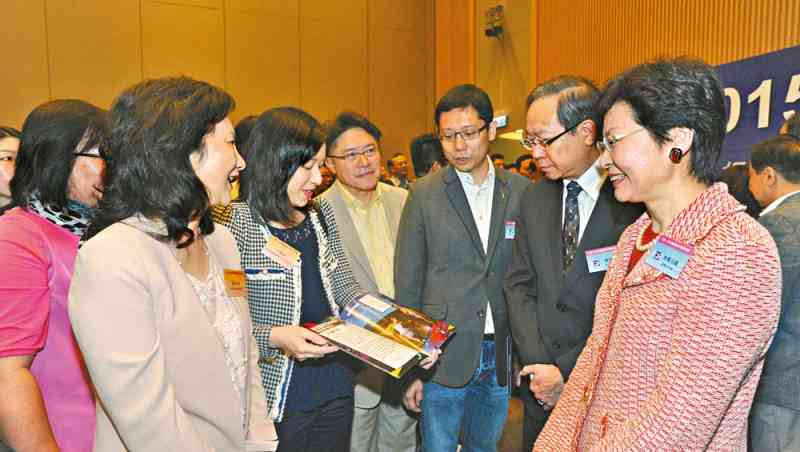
480,199
590,181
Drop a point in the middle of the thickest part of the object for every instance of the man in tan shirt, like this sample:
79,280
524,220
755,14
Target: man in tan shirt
367,214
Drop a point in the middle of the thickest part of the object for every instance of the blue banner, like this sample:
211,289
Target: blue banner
760,93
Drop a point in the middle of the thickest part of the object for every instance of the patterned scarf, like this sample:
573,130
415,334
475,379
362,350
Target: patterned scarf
74,217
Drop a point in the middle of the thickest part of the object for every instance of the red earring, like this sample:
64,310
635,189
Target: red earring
675,155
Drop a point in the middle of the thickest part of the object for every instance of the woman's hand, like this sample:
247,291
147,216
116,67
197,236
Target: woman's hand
428,362
300,343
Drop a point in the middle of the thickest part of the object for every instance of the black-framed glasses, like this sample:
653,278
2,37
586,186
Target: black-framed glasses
529,141
352,155
607,142
97,153
466,134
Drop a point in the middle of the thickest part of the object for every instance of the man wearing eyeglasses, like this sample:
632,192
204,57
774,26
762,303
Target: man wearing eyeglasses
453,247
558,263
367,214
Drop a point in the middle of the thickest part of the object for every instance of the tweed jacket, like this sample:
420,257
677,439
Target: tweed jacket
673,364
275,292
370,380
780,382
157,363
442,269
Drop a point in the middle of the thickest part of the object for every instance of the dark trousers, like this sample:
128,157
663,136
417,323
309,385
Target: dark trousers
535,417
324,429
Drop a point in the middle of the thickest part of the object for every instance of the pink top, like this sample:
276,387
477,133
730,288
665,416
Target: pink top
37,262
673,364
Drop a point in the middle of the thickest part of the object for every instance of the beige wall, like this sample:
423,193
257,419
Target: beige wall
372,56
599,38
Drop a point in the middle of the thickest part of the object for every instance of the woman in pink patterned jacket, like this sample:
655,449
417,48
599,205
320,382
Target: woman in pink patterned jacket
691,299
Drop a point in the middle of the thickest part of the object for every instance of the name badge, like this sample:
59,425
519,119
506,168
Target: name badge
668,256
511,230
281,252
598,259
235,284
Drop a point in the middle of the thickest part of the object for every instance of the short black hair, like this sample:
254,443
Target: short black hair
156,126
782,153
51,134
577,97
666,94
521,159
463,96
9,132
345,121
497,156
792,125
243,129
282,140
426,150
390,162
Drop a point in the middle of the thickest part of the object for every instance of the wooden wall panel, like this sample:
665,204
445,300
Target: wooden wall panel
183,40
333,57
455,44
95,50
607,36
262,67
400,86
24,78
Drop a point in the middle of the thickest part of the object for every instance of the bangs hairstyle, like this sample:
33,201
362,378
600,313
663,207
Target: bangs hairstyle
666,94
282,140
9,132
156,126
51,135
464,96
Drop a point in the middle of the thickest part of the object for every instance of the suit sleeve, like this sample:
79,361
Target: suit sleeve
716,345
410,257
114,320
521,296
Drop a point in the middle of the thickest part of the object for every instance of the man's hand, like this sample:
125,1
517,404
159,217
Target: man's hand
412,399
300,343
546,383
428,362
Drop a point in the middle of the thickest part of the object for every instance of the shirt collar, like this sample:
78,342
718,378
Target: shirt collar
591,181
466,178
354,203
774,204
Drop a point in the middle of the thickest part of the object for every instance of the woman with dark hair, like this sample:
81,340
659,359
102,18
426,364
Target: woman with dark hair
296,274
157,300
47,402
691,298
9,146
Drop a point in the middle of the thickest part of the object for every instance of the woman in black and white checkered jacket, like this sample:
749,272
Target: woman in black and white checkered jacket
296,273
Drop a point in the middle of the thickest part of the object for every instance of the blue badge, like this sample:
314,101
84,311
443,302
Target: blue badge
598,259
511,230
668,256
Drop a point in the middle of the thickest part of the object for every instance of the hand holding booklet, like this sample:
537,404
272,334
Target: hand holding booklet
387,336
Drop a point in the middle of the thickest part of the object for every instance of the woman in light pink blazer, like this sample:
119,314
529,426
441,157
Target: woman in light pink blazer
690,301
157,302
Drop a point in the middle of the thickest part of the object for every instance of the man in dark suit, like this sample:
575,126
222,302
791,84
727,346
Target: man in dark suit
550,287
453,248
775,183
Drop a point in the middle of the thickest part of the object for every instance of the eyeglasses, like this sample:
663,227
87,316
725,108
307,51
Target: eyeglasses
466,134
353,155
607,142
529,141
94,153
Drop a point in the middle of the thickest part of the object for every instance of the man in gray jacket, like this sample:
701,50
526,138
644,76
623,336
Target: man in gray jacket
775,183
453,247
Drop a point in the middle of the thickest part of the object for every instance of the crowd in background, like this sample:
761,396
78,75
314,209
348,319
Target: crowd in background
160,266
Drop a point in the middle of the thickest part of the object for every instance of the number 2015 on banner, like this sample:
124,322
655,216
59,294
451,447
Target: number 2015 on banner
762,95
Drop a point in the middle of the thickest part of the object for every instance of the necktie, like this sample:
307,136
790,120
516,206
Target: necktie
572,222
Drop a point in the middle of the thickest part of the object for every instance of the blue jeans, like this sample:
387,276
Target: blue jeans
480,407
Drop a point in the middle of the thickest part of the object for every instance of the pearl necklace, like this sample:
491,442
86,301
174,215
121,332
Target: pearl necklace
642,248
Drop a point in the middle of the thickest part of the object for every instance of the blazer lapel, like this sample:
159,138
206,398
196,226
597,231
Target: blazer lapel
347,231
499,206
458,199
602,223
552,213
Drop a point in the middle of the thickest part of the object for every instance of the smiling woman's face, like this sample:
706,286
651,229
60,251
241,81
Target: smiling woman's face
219,163
8,158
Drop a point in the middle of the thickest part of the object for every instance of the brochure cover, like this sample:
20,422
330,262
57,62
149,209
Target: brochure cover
385,335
